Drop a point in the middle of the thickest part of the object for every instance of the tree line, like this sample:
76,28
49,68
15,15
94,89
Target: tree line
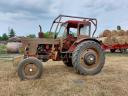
5,36
12,33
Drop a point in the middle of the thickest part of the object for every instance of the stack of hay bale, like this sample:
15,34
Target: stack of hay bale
114,37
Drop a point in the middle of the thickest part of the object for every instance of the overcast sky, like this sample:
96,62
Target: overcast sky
25,15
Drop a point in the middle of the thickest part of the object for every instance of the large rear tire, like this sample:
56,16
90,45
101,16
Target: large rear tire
88,58
30,68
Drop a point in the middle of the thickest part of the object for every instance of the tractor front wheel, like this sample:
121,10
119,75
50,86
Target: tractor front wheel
88,58
30,68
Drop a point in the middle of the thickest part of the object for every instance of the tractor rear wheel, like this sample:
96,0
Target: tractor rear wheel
30,68
88,58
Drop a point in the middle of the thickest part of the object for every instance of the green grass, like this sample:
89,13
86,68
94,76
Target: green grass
116,54
3,49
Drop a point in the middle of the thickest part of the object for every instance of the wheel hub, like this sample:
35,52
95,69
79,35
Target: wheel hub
30,69
89,59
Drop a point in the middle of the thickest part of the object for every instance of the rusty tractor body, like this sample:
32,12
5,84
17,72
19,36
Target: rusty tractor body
72,42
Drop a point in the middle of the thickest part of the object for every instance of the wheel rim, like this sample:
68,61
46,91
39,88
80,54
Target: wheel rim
30,70
89,58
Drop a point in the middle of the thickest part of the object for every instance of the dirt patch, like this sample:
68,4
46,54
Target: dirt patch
59,80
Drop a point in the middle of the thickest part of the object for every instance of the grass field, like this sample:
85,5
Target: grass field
2,49
59,80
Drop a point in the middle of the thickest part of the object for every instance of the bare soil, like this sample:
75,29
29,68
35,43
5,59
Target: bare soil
59,80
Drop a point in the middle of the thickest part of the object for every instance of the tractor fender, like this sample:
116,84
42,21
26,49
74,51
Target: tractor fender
77,42
86,39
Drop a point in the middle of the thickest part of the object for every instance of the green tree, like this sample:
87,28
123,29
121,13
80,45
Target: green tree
0,38
12,33
49,34
31,36
4,37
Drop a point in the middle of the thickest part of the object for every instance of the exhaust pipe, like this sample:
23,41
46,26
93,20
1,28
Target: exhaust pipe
40,34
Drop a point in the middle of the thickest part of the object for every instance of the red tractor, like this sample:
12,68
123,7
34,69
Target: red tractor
72,42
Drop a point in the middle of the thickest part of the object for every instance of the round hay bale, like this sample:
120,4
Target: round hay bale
102,39
127,32
121,33
114,33
121,40
13,47
126,39
114,40
106,33
108,41
115,37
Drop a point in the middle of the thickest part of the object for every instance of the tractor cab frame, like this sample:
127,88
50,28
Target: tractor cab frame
74,22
